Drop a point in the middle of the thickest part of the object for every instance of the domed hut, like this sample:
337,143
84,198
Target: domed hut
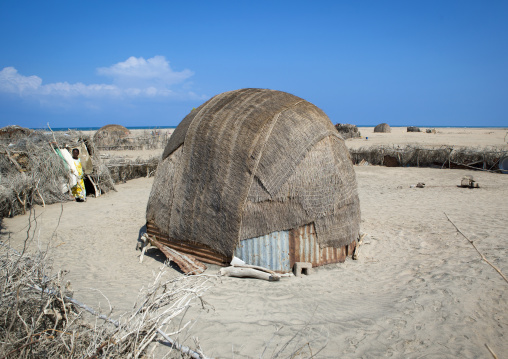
111,136
14,132
383,127
259,174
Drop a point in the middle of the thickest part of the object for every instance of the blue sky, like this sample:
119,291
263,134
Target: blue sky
148,63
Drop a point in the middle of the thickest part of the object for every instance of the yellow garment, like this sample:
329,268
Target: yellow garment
78,191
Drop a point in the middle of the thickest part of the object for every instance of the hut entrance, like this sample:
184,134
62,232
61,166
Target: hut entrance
91,187
390,161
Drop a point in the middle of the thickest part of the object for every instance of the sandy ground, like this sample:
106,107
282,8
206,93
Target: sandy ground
419,289
459,137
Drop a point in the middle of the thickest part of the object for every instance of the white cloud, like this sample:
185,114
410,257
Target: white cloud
12,81
138,70
133,78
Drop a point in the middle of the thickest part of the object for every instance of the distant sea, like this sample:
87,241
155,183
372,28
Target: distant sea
173,127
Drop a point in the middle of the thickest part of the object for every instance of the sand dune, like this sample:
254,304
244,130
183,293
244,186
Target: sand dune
418,290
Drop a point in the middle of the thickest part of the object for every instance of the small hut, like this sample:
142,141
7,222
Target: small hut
111,136
383,127
348,131
33,169
259,174
14,132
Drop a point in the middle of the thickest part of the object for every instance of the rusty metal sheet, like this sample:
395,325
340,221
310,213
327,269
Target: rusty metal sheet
269,251
187,263
198,250
277,251
304,247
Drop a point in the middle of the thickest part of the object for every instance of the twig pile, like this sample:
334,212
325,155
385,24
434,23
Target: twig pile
40,319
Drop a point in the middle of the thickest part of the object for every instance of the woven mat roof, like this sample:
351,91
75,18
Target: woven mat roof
237,151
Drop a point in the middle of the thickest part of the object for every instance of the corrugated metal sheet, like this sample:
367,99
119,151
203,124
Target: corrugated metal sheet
277,251
304,247
270,251
280,250
198,250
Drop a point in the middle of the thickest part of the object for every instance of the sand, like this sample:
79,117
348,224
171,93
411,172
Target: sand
419,289
459,137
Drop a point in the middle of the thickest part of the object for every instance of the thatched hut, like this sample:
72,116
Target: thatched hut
14,132
259,174
34,171
348,131
111,136
383,127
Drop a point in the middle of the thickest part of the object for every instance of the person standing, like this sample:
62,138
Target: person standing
78,191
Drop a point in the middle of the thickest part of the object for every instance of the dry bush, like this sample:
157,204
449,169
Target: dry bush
40,319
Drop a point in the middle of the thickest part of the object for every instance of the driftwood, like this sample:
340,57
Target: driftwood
248,273
263,269
358,247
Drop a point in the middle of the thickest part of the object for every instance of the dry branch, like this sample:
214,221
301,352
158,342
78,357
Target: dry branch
480,253
491,351
40,318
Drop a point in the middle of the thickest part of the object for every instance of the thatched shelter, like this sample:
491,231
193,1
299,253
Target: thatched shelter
111,136
260,174
14,132
33,172
348,131
383,127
